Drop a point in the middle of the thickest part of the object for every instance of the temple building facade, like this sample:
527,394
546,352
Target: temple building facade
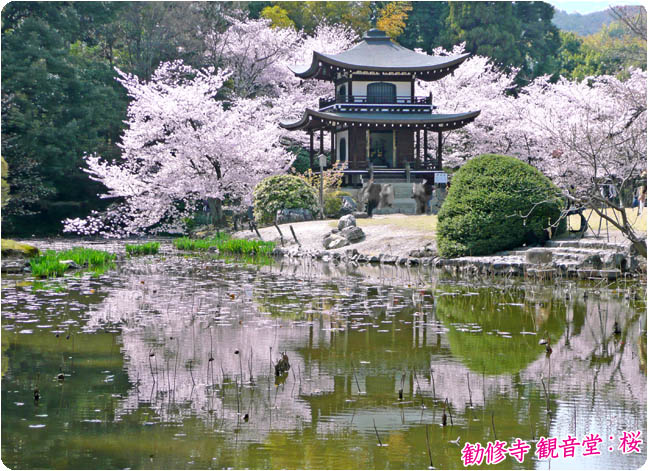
374,119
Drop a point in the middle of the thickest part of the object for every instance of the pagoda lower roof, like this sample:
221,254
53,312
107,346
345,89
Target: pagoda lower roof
313,120
377,53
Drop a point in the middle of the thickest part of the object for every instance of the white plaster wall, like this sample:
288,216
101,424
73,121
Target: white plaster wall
338,137
402,88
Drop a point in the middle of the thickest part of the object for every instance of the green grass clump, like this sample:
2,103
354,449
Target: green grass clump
49,264
246,247
225,244
200,245
149,248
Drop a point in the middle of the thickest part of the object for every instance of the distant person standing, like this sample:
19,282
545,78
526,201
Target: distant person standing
642,192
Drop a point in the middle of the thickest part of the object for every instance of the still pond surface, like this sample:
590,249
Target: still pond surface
168,361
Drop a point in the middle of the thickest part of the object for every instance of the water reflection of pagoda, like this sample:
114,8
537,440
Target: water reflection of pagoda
374,119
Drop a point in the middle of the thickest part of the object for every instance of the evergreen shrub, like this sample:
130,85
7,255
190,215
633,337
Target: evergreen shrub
486,204
333,202
282,192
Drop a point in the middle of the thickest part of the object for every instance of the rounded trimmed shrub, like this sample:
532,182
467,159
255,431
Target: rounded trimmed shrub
282,192
333,202
486,204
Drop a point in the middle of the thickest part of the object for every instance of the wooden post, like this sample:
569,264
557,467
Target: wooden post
439,161
370,171
418,147
368,146
333,153
394,149
321,141
311,153
407,171
425,147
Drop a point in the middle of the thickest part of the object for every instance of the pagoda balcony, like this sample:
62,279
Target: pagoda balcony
368,100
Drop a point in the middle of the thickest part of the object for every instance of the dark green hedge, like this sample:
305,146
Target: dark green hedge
482,212
282,192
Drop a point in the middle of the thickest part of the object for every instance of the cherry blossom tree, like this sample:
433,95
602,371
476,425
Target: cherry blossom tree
260,58
476,85
591,140
181,147
185,145
589,137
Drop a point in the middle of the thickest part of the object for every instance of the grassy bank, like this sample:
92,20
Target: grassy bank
423,223
426,223
638,221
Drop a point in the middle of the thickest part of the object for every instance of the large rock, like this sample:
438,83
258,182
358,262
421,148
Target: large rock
592,261
348,205
334,241
352,233
13,249
615,260
346,221
293,215
539,256
388,259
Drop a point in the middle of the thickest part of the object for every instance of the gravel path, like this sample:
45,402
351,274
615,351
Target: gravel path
388,238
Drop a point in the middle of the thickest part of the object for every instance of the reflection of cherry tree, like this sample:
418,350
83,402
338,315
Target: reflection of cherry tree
602,369
180,341
175,317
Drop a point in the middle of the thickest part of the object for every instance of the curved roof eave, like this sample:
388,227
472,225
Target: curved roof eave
308,71
366,118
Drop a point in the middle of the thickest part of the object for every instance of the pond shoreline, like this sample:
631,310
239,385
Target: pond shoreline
586,258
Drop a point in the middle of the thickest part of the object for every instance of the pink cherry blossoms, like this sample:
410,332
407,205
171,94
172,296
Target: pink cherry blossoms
182,146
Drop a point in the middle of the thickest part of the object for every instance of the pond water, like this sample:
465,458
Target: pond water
168,361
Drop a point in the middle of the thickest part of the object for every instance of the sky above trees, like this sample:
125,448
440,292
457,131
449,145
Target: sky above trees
585,7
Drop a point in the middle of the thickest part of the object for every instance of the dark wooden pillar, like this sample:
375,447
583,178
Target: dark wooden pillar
418,147
439,156
311,151
321,141
425,147
333,154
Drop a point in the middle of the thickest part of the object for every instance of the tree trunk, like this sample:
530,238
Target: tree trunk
640,247
215,210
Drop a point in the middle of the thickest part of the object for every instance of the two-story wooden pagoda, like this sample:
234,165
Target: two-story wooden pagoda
374,118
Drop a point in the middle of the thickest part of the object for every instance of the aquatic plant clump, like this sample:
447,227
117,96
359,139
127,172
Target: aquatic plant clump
149,248
199,245
52,263
225,244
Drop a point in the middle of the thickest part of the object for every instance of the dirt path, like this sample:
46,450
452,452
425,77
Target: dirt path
387,238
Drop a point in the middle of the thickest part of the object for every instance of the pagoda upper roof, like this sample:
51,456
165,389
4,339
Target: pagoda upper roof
312,120
377,53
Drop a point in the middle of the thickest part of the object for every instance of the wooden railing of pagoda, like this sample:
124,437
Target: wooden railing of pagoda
375,100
